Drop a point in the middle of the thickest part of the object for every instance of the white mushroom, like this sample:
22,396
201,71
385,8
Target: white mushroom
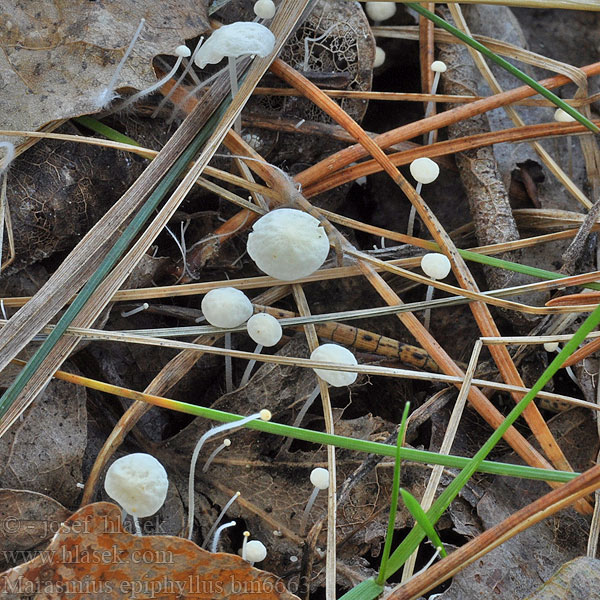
226,307
563,117
288,244
436,266
319,477
254,551
332,353
138,483
380,11
438,66
264,329
379,57
264,9
424,170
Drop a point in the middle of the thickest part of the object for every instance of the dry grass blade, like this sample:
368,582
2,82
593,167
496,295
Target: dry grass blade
542,508
480,311
479,401
426,53
283,24
564,4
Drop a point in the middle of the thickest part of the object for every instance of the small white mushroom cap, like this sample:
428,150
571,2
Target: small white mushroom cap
439,66
255,551
435,265
379,57
319,477
264,9
424,170
226,307
333,353
183,51
380,11
264,329
138,482
551,346
238,39
288,244
563,117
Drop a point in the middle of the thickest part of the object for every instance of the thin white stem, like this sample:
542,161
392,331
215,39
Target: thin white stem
248,371
232,63
9,155
309,505
413,212
107,95
136,524
219,519
226,443
244,544
133,99
215,543
300,417
428,298
134,311
179,80
228,365
429,107
201,442
192,93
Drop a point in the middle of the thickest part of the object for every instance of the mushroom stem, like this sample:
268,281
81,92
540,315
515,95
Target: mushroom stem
413,212
226,443
232,61
228,366
244,544
134,311
191,93
265,415
179,80
309,505
215,543
298,420
219,518
9,155
428,298
248,371
136,524
429,107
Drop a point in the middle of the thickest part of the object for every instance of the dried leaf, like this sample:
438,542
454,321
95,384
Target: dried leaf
58,56
91,555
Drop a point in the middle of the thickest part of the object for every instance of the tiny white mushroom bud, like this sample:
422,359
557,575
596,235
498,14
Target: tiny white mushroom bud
379,57
183,51
288,244
435,265
551,346
264,329
264,9
255,551
380,11
319,477
138,482
332,353
424,170
562,117
439,66
226,307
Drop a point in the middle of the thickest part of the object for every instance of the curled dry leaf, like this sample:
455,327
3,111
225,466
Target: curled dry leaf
58,56
91,556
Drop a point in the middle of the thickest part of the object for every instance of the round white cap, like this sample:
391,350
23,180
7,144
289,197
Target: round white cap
435,265
288,244
264,9
264,329
333,353
551,346
319,477
563,117
226,307
380,11
255,551
439,66
237,39
138,482
183,51
424,170
379,57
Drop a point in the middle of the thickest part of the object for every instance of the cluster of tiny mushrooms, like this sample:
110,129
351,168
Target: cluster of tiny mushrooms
286,244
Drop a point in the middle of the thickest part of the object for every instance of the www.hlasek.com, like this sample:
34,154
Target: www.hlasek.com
192,585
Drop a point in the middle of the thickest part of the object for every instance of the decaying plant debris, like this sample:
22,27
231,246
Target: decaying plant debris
325,132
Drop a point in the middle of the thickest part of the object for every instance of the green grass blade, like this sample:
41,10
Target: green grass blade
112,257
422,519
394,499
506,65
413,539
365,590
108,132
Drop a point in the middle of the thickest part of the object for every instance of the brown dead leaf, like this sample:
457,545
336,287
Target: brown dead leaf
58,56
28,519
91,556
